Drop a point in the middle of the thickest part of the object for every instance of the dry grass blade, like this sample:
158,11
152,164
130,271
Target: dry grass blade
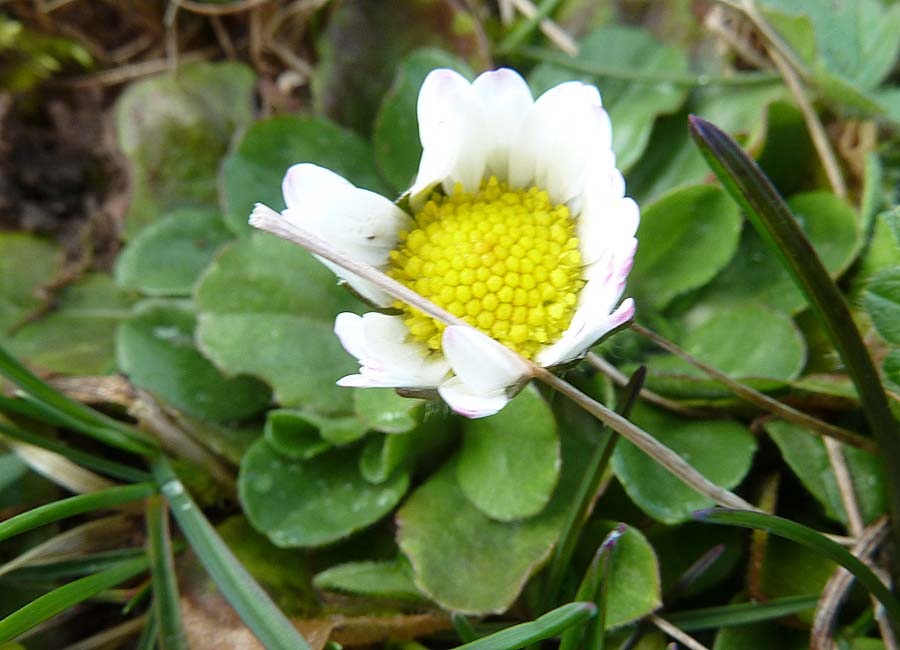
59,469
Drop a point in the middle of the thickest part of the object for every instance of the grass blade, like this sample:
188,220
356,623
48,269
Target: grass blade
69,595
593,588
463,628
587,490
166,608
812,540
73,506
525,28
96,463
544,627
147,640
769,214
60,406
708,618
252,604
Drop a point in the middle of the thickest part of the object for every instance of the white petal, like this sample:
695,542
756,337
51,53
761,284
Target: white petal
481,362
306,179
582,334
605,226
359,223
566,131
386,356
451,126
469,402
505,101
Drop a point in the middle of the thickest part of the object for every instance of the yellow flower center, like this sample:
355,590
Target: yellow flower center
504,260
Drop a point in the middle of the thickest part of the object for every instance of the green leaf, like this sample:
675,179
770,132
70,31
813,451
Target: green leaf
672,160
255,317
510,462
883,303
761,635
679,250
69,507
756,276
789,569
813,541
166,602
805,453
750,343
856,41
175,128
545,627
293,434
252,604
363,43
464,560
707,618
632,104
891,367
396,134
254,171
26,264
383,454
78,336
721,450
314,502
382,409
166,258
388,579
67,596
156,350
633,580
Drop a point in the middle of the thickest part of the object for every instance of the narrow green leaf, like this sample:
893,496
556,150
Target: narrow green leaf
594,588
545,627
463,627
768,213
147,640
251,603
708,618
69,595
587,490
119,435
166,606
73,506
812,540
96,463
527,26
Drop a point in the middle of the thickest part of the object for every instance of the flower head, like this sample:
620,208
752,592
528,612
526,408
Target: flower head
518,225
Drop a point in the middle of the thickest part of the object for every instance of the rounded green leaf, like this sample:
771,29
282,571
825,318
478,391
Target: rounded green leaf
721,450
464,560
632,105
254,171
382,409
510,462
883,303
266,307
175,128
77,337
388,579
383,454
166,257
313,502
156,350
755,275
293,435
26,264
806,455
748,342
685,238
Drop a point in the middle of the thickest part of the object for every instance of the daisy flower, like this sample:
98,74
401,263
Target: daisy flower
517,223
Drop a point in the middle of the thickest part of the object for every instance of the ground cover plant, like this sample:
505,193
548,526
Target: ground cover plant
705,456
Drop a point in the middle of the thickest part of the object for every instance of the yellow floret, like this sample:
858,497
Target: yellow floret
505,260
